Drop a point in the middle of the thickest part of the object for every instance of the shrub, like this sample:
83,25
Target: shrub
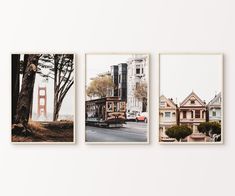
179,132
210,128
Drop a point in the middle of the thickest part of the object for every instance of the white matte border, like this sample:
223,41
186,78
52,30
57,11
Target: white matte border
116,53
222,94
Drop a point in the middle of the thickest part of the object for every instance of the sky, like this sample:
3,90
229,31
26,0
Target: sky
182,74
68,104
100,63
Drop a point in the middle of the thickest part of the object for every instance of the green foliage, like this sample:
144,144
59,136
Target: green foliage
204,127
210,128
179,132
216,128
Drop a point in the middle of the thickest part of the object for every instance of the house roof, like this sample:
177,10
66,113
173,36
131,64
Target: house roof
170,102
192,94
215,99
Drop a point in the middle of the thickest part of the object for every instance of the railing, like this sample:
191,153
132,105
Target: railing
198,136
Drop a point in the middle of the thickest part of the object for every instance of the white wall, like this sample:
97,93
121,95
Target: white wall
117,26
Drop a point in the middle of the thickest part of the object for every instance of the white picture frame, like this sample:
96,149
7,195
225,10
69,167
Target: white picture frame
86,78
73,88
220,73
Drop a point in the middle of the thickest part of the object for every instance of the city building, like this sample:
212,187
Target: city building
167,117
122,81
137,74
119,77
192,112
114,75
214,109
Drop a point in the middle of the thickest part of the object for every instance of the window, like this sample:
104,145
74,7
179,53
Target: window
110,106
42,111
192,101
137,70
184,114
124,78
123,69
124,94
115,107
191,114
122,106
213,113
115,79
42,92
137,85
42,101
197,114
167,114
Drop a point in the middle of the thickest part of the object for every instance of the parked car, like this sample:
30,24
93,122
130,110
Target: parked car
130,116
142,117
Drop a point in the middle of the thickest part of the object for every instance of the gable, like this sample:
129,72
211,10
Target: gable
166,103
192,101
216,100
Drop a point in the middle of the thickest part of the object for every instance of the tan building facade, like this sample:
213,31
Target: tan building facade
167,117
192,112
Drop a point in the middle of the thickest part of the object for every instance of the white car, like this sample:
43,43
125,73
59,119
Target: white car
130,116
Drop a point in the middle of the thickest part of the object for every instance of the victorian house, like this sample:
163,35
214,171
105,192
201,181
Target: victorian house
192,112
137,74
167,117
214,109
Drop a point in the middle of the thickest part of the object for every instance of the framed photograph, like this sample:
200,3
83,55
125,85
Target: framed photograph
117,97
191,98
43,98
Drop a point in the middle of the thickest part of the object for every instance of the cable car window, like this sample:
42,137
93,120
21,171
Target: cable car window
122,106
109,106
115,106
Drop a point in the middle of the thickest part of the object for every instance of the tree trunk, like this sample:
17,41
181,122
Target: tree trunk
56,110
56,89
59,90
15,85
26,93
25,62
144,105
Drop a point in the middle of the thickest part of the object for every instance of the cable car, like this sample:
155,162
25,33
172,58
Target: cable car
106,112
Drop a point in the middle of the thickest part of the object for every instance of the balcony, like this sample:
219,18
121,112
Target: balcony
192,120
197,136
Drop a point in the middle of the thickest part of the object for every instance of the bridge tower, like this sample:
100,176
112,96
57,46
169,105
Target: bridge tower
42,102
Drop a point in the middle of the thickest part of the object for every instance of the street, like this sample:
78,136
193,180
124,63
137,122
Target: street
130,132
